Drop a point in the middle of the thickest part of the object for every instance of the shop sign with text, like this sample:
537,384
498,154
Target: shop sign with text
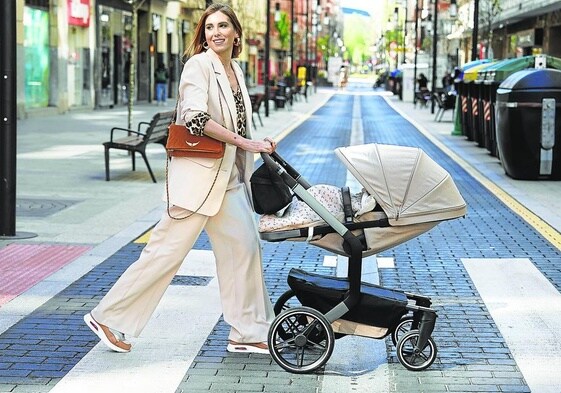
79,12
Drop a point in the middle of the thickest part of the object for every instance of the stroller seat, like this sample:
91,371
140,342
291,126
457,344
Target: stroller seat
298,214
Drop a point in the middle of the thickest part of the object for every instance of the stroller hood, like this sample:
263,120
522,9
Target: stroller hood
407,184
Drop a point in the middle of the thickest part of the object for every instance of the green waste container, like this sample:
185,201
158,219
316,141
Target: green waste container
529,124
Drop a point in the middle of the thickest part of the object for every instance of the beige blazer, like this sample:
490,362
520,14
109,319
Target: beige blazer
202,86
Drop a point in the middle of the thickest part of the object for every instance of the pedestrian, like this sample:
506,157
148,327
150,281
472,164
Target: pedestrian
213,194
343,77
447,82
161,76
422,82
422,95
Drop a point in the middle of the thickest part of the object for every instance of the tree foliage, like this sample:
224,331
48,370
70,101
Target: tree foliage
359,36
283,27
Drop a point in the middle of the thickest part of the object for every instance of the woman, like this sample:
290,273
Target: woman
423,82
214,101
161,79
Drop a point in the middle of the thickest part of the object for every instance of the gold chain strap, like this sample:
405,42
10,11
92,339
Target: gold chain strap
215,177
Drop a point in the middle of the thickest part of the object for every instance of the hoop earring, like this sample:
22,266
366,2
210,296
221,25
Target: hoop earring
237,41
205,45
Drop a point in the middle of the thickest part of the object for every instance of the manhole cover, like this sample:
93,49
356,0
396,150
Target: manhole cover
192,281
28,207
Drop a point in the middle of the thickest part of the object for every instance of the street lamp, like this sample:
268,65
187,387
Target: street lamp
8,124
267,50
434,52
475,32
405,32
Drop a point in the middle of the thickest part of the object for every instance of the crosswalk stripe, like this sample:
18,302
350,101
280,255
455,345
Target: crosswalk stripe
526,308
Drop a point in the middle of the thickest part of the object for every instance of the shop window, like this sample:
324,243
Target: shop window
36,57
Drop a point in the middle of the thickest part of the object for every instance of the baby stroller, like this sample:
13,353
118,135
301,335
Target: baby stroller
412,194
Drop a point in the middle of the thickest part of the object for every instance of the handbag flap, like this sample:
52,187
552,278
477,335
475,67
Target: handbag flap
181,140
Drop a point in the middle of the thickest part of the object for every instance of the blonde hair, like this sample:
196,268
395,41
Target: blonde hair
196,45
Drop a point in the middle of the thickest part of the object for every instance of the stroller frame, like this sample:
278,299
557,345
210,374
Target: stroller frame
296,332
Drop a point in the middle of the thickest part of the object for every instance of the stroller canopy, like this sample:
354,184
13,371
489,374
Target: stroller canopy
407,184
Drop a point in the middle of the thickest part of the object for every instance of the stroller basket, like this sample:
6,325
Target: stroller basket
378,306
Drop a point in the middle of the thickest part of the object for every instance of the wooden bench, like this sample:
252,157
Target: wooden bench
155,131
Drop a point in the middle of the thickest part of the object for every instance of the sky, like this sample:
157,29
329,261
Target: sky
364,5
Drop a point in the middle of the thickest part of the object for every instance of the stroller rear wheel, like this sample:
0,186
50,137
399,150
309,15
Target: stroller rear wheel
289,300
413,358
405,325
301,340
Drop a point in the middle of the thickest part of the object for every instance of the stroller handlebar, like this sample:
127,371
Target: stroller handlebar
289,175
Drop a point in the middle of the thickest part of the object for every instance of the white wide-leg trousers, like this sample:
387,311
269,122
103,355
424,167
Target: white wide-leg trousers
128,305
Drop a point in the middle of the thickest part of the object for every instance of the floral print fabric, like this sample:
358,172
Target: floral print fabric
299,215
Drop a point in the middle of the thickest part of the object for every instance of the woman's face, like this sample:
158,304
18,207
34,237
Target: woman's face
220,33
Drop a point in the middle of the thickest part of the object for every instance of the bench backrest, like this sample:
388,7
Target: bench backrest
158,129
256,100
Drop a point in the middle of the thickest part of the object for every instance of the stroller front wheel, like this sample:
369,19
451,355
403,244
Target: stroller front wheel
301,340
405,325
412,357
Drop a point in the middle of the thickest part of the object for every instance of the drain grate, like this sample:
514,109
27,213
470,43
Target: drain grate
39,208
192,281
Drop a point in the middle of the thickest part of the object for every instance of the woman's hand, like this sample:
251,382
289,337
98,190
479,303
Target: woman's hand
267,145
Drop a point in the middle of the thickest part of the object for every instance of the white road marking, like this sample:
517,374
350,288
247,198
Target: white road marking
526,308
330,261
385,263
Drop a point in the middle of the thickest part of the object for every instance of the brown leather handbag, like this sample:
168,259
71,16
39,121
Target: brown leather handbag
181,143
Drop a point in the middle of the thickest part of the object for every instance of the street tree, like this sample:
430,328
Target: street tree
135,4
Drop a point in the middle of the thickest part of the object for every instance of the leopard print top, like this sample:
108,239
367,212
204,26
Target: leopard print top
240,109
197,124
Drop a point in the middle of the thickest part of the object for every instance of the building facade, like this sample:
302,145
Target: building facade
77,53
